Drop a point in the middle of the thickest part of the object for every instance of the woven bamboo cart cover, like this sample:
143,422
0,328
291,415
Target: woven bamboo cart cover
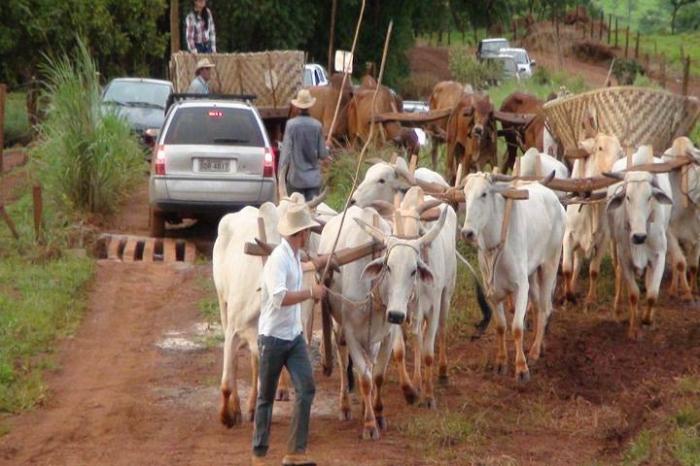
246,73
635,115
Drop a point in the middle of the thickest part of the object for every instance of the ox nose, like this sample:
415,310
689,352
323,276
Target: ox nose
478,131
639,238
395,317
468,234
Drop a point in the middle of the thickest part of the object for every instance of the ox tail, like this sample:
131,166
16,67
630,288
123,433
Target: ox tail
484,306
486,310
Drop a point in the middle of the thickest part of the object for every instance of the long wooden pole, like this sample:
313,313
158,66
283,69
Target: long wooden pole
331,36
174,26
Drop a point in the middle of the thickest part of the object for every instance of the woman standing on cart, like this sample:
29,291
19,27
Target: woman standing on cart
199,29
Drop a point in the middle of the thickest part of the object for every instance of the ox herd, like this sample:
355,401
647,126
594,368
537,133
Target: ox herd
528,230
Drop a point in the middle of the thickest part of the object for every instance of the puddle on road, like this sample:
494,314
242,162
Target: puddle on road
199,338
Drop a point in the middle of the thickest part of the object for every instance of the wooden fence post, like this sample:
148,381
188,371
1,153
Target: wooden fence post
514,24
609,26
38,212
686,75
636,47
602,22
592,24
616,33
662,70
627,41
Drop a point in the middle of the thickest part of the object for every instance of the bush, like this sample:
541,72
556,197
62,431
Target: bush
418,86
88,158
466,69
626,71
591,51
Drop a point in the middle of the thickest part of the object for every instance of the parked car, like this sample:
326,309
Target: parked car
509,69
315,75
490,48
212,157
413,106
522,60
141,102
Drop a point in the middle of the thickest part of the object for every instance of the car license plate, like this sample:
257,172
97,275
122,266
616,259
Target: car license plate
214,165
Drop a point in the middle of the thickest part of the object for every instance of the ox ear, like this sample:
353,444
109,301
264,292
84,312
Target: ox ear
373,269
375,233
661,196
616,200
424,272
588,145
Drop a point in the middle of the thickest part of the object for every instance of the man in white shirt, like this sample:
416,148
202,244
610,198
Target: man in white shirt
280,339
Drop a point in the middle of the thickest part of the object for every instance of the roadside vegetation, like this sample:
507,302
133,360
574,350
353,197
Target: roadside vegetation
17,128
85,163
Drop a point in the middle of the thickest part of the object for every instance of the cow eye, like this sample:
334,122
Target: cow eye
628,198
413,274
381,181
600,148
483,194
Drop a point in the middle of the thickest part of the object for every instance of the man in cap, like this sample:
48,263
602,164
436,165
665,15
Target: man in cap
202,74
302,149
280,339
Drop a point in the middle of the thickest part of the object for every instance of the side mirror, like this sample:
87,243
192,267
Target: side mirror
343,61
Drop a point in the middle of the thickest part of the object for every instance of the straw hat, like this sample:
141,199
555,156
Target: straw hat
304,99
297,218
204,63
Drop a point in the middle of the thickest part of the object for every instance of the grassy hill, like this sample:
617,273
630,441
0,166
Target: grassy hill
633,10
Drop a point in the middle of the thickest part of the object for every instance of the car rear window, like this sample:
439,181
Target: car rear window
214,126
494,46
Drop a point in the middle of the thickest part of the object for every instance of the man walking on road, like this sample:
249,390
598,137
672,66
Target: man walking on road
280,339
303,148
202,75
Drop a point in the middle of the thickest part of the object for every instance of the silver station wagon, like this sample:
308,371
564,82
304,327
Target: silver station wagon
211,157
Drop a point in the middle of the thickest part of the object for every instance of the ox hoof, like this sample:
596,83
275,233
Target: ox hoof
634,334
345,414
687,297
282,395
409,393
501,369
231,419
370,433
523,377
533,357
429,403
381,423
443,379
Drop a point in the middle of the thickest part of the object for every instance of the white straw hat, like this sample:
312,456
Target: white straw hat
304,99
296,218
204,63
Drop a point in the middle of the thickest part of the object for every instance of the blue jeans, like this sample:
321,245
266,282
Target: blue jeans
276,353
203,47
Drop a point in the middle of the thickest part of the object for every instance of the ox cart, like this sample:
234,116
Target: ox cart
269,79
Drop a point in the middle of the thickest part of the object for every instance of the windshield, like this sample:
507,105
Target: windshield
519,56
214,126
494,47
137,93
509,65
308,77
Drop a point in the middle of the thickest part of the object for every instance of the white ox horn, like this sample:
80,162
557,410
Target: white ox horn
375,233
313,203
434,230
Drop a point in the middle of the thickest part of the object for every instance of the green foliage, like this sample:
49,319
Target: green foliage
86,159
466,69
639,450
626,71
417,86
123,35
685,445
17,129
441,432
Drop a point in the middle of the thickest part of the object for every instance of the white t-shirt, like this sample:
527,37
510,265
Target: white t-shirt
282,273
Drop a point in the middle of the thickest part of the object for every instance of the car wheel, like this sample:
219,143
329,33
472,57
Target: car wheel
157,223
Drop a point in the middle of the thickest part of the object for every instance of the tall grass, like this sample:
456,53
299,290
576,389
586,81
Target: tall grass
17,129
88,158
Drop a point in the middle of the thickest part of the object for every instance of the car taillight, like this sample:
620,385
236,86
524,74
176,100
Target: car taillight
269,163
160,160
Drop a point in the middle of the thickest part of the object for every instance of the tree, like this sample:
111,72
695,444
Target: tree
676,5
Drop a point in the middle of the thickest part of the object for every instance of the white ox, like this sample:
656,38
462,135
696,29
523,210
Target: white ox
361,322
639,212
237,279
417,280
586,234
535,163
383,180
684,240
524,265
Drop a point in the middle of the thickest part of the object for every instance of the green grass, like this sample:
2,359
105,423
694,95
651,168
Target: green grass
17,129
639,9
209,305
42,298
443,432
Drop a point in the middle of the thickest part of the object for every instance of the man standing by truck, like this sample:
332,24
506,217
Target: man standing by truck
202,75
303,148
